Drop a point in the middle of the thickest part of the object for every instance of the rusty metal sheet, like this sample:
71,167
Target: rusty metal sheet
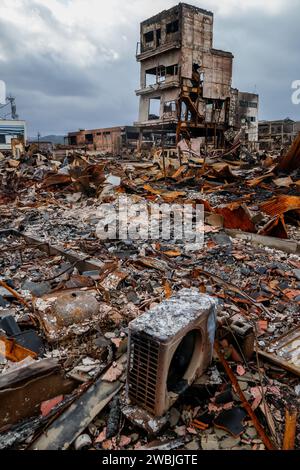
280,205
13,351
153,263
148,187
179,172
56,179
171,196
82,177
285,351
256,181
236,217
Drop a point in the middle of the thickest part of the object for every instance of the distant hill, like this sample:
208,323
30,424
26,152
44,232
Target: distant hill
55,139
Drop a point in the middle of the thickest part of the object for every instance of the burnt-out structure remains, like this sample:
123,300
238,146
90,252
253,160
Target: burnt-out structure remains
277,135
113,140
247,117
185,84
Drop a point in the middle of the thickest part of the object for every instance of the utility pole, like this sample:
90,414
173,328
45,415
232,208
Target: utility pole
13,106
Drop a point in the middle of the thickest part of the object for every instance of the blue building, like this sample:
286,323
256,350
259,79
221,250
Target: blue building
11,129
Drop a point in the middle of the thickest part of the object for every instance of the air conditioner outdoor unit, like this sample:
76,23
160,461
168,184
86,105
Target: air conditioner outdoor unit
169,347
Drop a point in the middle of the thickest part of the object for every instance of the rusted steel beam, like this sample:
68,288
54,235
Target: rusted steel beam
266,440
291,415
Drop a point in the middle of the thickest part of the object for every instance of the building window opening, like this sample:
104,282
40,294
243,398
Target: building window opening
172,70
151,77
89,138
158,37
183,116
161,74
132,135
173,27
154,109
170,107
149,37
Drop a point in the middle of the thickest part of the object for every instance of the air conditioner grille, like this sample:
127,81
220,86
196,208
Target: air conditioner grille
143,370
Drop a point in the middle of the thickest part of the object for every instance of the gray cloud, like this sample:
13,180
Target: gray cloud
68,73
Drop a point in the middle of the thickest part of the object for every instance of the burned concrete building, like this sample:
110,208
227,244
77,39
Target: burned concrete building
111,140
185,90
277,135
247,118
185,84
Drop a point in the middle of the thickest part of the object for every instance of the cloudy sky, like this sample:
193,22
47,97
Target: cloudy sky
71,63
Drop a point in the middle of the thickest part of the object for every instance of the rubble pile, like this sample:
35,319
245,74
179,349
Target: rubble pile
67,298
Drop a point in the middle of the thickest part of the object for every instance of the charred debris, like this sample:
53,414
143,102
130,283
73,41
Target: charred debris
146,344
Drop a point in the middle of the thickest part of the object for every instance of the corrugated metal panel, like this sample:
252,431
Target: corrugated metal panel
280,205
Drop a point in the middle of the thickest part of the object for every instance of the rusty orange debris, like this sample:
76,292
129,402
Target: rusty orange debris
280,205
291,161
275,228
13,351
236,217
290,429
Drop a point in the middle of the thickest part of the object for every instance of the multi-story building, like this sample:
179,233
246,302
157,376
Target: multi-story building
247,117
277,135
185,88
185,84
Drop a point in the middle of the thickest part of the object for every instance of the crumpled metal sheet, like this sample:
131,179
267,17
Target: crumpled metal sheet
236,217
